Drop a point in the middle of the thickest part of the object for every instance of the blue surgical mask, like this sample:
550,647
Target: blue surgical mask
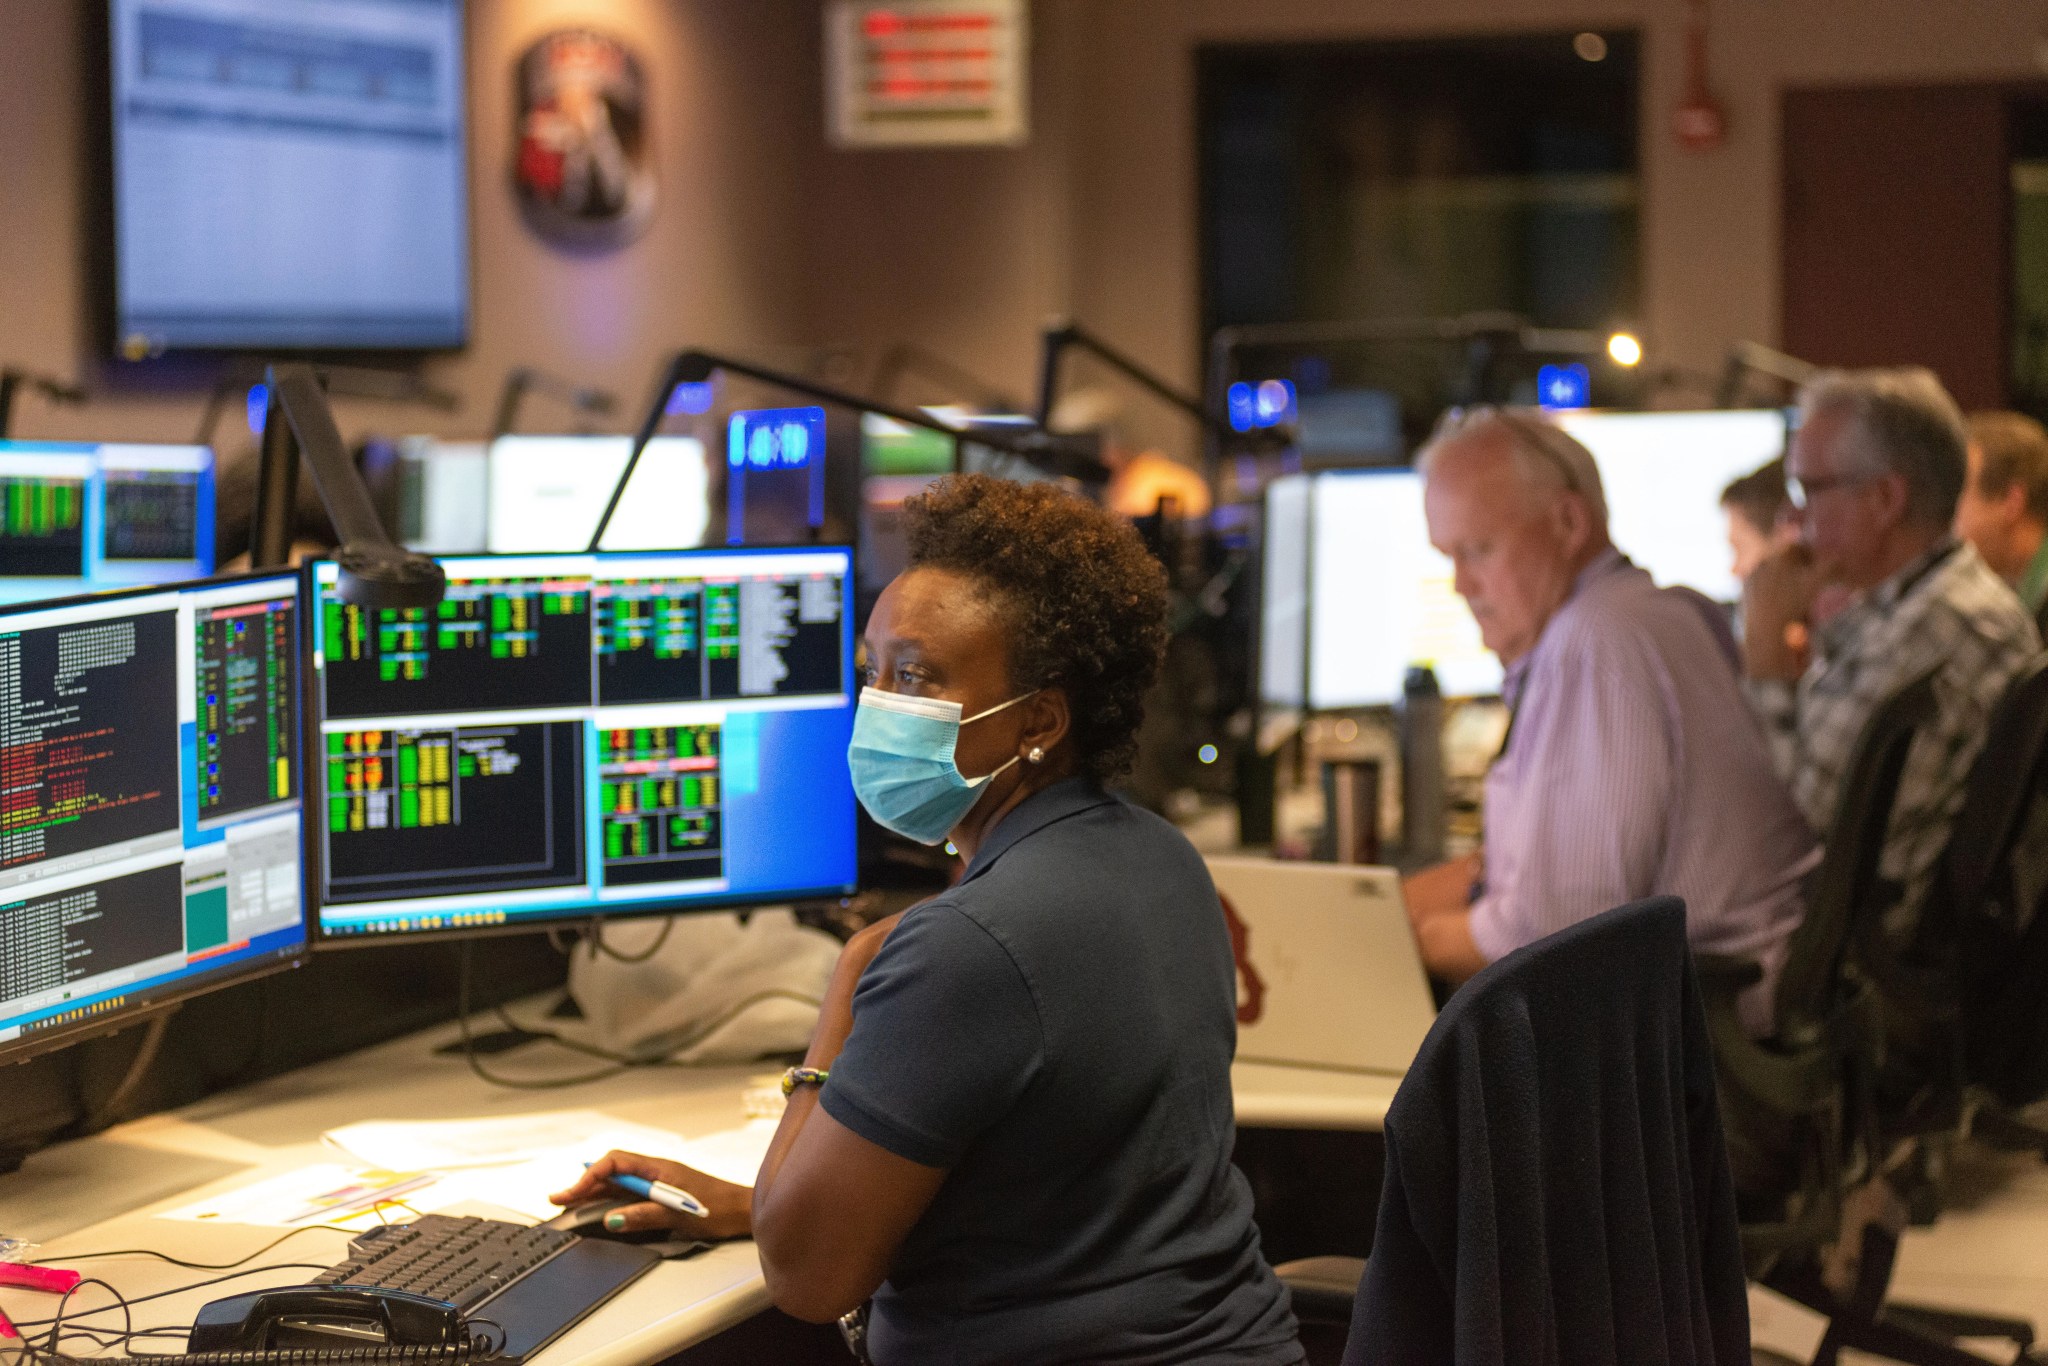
904,769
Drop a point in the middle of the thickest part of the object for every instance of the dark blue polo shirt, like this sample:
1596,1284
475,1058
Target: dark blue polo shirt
1057,1032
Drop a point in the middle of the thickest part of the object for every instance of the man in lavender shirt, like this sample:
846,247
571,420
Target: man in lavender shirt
1633,765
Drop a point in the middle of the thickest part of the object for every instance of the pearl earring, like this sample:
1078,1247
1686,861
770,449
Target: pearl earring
1037,755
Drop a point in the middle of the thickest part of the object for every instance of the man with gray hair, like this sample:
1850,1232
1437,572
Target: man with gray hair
1875,469
1632,765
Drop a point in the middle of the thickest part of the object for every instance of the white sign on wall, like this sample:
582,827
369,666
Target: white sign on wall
926,72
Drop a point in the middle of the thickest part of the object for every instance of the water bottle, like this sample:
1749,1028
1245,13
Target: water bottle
1423,799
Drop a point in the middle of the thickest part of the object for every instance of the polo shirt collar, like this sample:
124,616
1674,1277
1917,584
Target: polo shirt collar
1880,601
1068,797
1895,588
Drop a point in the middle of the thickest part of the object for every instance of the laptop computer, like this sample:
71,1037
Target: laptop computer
1328,972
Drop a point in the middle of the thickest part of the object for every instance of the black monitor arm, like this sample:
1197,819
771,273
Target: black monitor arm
375,571
345,381
13,381
1060,337
911,359
525,379
696,367
1746,358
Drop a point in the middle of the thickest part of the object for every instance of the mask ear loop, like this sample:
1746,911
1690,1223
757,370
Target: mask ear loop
1021,697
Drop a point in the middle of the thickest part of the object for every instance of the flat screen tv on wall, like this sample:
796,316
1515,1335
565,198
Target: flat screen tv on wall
288,176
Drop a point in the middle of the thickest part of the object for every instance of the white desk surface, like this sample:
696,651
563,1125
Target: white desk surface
104,1192
1273,1096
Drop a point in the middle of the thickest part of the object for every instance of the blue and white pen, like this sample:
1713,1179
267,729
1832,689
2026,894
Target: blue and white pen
661,1193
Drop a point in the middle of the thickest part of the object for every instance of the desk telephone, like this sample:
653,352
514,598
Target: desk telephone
309,1322
438,1289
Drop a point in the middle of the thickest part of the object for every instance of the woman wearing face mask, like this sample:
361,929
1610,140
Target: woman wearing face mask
1013,1128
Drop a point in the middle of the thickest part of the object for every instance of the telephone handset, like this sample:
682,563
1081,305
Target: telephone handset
305,1317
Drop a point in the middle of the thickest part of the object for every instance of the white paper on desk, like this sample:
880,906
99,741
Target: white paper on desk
450,1144
305,1196
733,1155
516,1163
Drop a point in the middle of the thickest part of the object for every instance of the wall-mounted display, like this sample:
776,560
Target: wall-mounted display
288,176
927,72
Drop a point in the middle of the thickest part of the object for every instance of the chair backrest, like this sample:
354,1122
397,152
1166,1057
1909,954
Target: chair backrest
1848,887
1983,926
2000,791
1556,1184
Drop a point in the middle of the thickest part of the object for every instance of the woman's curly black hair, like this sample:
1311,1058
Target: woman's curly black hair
1086,602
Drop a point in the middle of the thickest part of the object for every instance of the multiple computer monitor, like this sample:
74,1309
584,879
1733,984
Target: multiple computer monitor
1354,594
563,737
567,734
77,517
525,494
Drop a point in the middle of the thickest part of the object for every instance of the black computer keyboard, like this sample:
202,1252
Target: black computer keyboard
532,1284
461,1261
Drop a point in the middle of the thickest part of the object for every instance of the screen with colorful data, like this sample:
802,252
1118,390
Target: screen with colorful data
149,801
79,517
568,736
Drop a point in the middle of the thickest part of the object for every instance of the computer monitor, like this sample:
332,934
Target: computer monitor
443,496
79,517
149,802
288,175
1663,474
893,449
546,493
572,736
1354,595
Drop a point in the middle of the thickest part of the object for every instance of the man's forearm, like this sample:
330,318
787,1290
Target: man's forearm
1448,949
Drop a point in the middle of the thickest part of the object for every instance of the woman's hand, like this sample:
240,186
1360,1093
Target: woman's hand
732,1207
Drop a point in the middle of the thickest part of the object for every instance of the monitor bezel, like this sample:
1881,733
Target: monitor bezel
325,940
37,1042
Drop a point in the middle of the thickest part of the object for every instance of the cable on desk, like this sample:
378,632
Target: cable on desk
478,1347
121,1302
126,1303
598,946
195,1266
667,1059
620,1063
469,1054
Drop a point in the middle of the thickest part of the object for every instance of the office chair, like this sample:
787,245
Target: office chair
1982,932
1799,1106
1556,1186
1804,1104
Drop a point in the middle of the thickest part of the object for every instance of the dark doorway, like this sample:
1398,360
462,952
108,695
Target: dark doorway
1418,179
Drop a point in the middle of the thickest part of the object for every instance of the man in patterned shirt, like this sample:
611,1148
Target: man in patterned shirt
1875,469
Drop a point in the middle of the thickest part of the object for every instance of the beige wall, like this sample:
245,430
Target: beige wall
720,264
766,237
1710,220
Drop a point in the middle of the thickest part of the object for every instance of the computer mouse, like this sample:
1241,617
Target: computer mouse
588,1221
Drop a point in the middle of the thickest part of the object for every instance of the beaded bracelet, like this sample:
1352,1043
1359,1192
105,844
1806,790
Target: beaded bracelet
803,1076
